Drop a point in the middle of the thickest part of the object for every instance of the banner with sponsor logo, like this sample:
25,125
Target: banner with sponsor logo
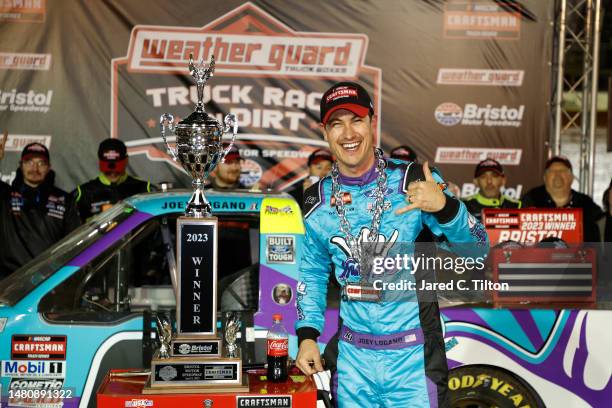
456,80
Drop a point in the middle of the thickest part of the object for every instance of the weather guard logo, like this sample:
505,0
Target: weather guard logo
21,61
248,44
451,114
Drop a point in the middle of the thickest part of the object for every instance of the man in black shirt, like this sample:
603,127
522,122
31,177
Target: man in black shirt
557,192
34,214
112,184
490,178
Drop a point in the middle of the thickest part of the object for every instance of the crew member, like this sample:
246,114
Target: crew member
490,179
226,175
112,184
557,192
390,353
319,165
34,214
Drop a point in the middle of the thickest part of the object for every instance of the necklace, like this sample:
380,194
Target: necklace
345,225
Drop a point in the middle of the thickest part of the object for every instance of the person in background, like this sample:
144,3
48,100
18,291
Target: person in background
319,165
404,153
226,176
112,184
490,178
34,214
557,192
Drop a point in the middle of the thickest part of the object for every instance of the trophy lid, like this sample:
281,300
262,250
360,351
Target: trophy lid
199,118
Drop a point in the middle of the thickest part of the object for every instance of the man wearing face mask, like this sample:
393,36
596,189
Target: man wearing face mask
490,179
557,192
112,184
34,214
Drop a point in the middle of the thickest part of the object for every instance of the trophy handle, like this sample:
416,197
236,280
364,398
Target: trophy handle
169,119
230,124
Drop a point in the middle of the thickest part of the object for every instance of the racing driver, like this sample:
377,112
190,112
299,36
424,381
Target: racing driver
390,353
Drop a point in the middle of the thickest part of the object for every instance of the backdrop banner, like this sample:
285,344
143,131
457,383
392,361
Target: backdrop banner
456,80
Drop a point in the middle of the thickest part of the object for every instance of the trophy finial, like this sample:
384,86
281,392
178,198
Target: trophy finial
201,73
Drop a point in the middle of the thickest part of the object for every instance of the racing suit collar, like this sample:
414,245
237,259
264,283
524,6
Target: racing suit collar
104,180
366,178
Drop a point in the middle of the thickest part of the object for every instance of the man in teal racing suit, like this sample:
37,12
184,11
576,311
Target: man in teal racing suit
390,353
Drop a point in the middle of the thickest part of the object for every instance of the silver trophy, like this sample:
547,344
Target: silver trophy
199,140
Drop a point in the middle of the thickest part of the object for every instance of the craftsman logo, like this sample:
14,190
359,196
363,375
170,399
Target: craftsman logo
37,347
21,61
111,155
277,401
26,101
278,348
280,249
482,20
484,77
450,114
33,369
342,92
22,11
138,403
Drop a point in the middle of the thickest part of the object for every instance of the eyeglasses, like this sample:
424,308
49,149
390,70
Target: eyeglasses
41,164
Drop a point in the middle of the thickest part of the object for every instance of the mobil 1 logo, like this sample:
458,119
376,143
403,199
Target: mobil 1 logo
280,249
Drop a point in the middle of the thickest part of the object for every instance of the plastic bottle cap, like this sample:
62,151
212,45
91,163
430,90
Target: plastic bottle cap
277,316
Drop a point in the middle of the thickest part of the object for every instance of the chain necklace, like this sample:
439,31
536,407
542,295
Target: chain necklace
345,226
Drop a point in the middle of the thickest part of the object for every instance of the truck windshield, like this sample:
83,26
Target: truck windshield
25,279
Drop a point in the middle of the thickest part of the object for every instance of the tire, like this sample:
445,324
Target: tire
481,386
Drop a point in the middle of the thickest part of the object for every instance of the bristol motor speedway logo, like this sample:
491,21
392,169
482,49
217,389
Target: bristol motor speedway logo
267,74
451,114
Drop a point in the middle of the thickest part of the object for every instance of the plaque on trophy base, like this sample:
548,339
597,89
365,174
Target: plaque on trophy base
196,372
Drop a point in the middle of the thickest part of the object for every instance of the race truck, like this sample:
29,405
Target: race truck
88,304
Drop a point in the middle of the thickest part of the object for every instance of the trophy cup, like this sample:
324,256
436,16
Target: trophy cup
194,360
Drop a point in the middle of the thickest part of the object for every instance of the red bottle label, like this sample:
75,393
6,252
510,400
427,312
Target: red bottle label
278,348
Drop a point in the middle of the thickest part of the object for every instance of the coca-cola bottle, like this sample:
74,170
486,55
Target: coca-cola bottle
278,350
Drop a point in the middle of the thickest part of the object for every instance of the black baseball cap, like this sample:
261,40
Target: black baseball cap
35,149
346,95
112,155
403,153
488,165
558,159
320,155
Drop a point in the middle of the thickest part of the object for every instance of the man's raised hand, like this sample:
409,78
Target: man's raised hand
424,195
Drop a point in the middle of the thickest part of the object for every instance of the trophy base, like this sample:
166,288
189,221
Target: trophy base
181,372
241,388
